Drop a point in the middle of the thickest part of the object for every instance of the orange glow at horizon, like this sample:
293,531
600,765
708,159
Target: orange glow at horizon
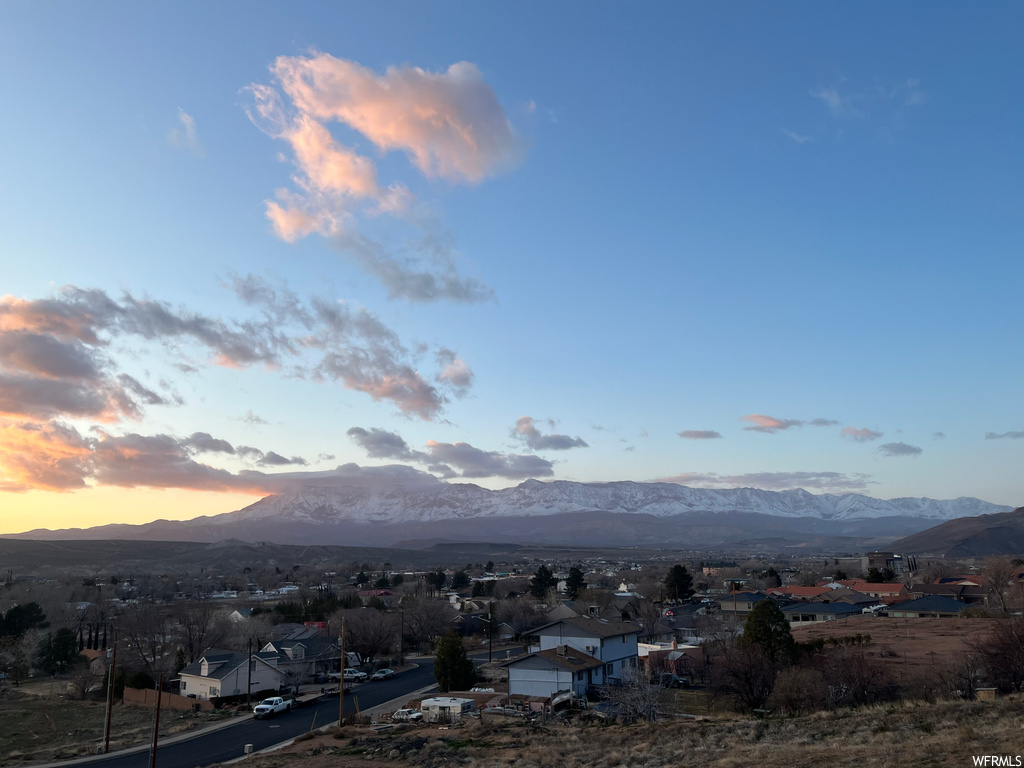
20,512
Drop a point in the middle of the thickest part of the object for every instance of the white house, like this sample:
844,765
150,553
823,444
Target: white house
226,673
613,642
572,653
545,673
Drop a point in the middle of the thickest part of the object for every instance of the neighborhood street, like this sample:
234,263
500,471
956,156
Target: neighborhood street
228,743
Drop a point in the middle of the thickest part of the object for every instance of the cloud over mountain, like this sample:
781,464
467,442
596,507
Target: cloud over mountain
526,430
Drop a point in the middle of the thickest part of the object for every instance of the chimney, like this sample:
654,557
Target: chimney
562,650
675,645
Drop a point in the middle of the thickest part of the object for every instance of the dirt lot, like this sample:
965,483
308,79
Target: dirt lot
946,734
909,643
39,726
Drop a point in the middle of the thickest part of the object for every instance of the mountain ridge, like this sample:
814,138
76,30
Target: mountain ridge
380,514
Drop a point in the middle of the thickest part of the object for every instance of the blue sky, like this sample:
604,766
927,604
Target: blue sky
795,226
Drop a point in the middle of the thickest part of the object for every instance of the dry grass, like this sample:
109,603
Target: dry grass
905,643
942,734
44,728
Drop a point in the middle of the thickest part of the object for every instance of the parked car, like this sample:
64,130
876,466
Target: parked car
407,716
382,674
670,680
355,676
271,706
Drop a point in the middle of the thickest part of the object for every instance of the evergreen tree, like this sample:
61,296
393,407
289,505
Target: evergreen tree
542,582
839,575
767,628
58,651
575,584
21,618
678,583
453,669
772,578
460,580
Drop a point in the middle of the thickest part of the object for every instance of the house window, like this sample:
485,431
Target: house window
183,685
609,669
214,691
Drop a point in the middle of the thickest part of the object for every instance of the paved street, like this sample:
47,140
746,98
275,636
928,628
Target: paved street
228,743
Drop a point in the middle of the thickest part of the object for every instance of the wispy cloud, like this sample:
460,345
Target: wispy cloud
427,272
823,481
883,107
1004,435
253,419
796,137
184,135
938,435
770,424
899,449
699,434
860,435
526,430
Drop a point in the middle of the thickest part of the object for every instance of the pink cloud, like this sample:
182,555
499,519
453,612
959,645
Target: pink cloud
450,123
762,423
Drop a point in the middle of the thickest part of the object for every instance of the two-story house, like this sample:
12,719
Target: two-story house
572,654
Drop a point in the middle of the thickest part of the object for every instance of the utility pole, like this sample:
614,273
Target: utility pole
248,687
490,632
156,723
110,696
341,683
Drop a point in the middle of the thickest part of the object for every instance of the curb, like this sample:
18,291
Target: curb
176,739
372,712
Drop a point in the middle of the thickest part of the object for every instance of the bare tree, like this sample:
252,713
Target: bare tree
196,630
1002,654
746,676
998,572
425,620
238,634
962,677
143,630
368,632
637,699
522,614
83,677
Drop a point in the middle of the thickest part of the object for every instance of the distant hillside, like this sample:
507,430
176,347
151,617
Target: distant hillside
999,534
560,512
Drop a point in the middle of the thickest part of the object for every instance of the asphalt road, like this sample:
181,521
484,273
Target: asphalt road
228,743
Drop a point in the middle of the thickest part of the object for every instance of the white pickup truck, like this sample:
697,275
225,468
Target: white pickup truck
351,676
271,706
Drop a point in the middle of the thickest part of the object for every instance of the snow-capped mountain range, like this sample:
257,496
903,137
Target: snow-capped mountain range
407,508
533,498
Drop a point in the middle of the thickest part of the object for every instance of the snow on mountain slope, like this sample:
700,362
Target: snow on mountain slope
459,501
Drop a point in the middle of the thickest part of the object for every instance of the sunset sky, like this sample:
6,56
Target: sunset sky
251,244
